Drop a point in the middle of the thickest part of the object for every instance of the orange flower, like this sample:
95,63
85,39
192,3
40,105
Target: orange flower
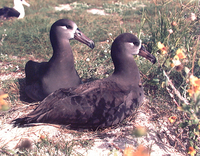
42,137
172,65
174,23
140,151
195,85
192,151
194,90
162,48
197,82
172,119
180,54
194,80
128,151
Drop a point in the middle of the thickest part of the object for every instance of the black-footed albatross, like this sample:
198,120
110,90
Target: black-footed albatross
59,72
100,103
16,11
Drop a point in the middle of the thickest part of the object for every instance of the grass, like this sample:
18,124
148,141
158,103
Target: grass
22,40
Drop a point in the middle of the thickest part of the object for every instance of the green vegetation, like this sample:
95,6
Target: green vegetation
169,29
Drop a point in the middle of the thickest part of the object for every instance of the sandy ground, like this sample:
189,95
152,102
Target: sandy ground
107,142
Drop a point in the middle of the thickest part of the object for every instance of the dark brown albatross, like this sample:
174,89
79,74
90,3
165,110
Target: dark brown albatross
100,103
59,72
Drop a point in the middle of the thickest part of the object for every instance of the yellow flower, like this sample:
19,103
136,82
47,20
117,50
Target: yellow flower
172,119
128,151
180,54
176,61
180,108
195,85
2,102
162,48
140,131
192,151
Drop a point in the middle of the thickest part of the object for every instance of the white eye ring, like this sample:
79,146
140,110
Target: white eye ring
64,27
131,43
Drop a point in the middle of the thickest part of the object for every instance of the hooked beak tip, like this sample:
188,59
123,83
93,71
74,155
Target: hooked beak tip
153,60
143,52
91,45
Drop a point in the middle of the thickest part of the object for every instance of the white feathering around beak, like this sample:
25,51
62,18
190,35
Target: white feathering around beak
131,44
138,50
140,44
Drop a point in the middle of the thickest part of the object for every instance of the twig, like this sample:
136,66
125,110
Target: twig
4,151
117,147
172,96
194,55
175,90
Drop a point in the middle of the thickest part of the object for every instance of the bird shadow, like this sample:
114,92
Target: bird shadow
22,93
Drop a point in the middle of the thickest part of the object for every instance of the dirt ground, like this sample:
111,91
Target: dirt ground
159,139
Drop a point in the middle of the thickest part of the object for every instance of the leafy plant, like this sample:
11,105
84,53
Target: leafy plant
171,34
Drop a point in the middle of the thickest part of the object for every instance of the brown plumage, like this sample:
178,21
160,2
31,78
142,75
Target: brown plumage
100,103
59,72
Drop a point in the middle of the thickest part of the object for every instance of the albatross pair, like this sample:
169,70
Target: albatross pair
16,11
100,103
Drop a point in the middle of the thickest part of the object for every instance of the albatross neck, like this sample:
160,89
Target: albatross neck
127,71
19,7
62,55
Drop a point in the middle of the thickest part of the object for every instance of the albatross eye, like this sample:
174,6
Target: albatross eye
68,27
136,43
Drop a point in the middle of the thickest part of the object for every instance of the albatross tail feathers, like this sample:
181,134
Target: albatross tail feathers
20,122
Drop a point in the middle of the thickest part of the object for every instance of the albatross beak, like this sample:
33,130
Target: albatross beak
83,38
143,52
25,3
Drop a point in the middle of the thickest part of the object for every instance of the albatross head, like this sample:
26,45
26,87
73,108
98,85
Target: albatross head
66,30
131,45
20,2
18,5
